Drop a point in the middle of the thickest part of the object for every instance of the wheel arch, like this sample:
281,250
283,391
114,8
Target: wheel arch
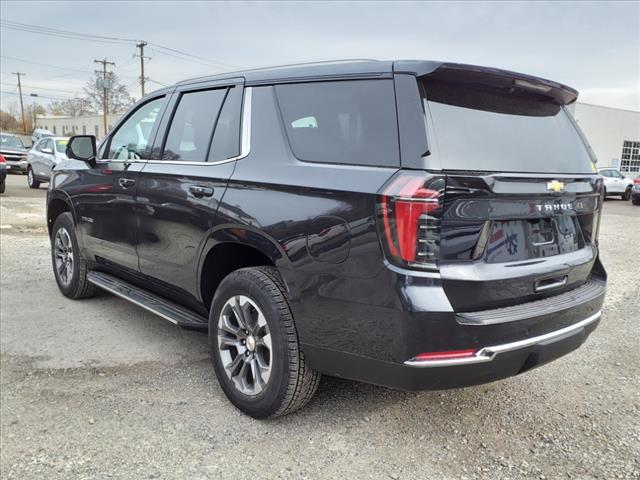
58,203
232,247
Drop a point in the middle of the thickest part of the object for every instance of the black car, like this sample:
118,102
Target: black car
14,152
413,224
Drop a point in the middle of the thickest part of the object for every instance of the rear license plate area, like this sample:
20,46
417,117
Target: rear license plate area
515,240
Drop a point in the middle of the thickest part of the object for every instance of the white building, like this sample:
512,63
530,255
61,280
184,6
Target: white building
82,125
614,135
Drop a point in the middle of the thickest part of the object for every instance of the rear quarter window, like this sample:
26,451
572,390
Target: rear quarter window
345,122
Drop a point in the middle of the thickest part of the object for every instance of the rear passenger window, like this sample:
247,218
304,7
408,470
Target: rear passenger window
349,122
226,139
192,126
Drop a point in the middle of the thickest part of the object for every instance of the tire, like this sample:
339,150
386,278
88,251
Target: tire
3,186
290,383
64,244
626,195
635,201
31,179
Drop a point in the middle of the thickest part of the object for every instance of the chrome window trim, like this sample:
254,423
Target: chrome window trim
487,354
245,140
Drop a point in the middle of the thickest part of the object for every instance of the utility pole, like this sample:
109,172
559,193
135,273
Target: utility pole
24,120
141,46
105,99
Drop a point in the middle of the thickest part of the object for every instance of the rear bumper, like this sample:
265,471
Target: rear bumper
490,363
380,345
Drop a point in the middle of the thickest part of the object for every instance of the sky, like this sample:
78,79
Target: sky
591,46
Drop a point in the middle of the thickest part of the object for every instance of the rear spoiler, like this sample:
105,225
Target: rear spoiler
494,77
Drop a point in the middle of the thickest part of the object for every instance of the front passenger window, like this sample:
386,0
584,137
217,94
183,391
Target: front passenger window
132,140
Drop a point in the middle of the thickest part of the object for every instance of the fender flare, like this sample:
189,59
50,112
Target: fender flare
251,237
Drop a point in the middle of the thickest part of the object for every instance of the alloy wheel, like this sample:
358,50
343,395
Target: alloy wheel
30,177
63,251
244,345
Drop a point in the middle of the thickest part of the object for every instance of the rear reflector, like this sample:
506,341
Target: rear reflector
409,213
447,355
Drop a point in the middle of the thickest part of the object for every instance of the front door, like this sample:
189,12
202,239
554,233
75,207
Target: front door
107,215
179,193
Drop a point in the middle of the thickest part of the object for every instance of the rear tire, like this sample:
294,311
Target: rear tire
627,194
69,267
635,201
3,185
31,179
284,382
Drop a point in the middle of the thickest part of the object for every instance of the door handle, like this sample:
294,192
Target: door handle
199,192
126,182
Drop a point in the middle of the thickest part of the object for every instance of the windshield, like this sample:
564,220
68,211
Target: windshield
11,141
484,129
61,145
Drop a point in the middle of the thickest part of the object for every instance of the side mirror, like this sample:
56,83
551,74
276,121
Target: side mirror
48,151
82,147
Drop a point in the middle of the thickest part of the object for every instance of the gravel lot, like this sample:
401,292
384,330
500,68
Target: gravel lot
102,389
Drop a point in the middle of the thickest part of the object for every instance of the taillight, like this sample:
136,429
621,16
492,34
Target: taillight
636,181
409,215
2,160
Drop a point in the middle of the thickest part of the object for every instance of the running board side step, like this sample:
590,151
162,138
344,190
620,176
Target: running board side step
164,308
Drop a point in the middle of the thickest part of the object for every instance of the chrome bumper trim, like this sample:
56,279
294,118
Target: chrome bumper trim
486,354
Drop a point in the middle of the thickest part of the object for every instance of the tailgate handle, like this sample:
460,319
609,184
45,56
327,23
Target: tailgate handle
550,284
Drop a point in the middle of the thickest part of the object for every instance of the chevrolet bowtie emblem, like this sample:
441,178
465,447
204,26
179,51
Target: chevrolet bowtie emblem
555,186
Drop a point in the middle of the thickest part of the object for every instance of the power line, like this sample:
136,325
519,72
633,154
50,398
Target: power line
26,27
43,88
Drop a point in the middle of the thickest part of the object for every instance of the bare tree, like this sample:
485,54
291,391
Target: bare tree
8,121
118,96
73,107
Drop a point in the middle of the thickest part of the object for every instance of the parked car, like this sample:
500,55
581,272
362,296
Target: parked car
14,152
3,174
635,192
43,157
413,224
40,133
615,183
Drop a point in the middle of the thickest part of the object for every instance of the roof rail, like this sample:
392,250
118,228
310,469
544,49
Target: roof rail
278,67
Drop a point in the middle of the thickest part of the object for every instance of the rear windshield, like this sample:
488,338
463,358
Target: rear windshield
491,130
349,122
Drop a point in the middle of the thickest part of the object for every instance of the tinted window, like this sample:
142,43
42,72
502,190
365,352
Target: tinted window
192,126
479,128
133,139
352,122
48,144
226,139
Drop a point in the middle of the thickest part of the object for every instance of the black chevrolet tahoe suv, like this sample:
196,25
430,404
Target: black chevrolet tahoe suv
412,224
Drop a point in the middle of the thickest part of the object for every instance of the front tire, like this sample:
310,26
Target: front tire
254,345
69,268
627,194
31,179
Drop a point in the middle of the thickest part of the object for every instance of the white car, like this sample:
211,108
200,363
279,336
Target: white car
615,183
40,133
43,156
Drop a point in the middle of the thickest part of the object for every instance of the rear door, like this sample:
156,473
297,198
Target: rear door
522,199
180,190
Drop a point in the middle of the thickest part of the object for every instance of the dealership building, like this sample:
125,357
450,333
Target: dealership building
614,134
65,126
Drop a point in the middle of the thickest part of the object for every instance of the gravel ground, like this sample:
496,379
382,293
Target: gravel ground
102,389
